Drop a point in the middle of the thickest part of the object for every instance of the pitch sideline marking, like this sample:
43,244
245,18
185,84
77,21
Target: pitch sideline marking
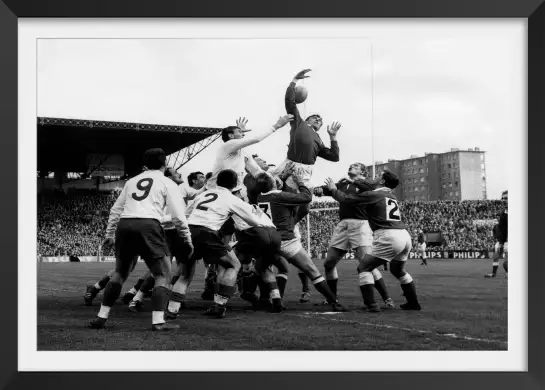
448,335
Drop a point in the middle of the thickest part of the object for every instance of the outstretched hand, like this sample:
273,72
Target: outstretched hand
241,124
283,121
330,184
302,74
333,129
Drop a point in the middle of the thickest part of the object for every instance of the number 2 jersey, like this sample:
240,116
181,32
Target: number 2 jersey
281,207
214,207
381,207
149,195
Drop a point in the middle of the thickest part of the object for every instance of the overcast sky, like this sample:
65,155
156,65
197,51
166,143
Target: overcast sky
435,89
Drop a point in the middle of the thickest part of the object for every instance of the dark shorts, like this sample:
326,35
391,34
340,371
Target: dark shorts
259,241
208,244
142,237
228,228
176,245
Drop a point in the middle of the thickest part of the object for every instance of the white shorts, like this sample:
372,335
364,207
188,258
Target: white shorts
288,168
421,247
351,234
289,249
297,231
499,249
391,244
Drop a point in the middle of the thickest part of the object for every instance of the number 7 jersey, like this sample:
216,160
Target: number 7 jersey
381,206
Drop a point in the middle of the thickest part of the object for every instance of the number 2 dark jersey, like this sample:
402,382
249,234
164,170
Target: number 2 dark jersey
281,207
381,207
346,210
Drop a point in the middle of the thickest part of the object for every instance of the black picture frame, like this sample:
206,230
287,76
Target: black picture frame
11,10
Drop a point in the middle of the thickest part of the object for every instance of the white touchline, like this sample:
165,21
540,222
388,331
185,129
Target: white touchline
450,335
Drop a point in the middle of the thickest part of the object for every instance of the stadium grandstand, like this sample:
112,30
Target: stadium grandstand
82,164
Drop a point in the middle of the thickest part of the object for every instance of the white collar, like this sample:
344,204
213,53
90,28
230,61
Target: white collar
271,192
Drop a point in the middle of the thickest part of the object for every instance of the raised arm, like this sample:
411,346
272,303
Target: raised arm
292,199
341,197
332,153
115,213
245,211
233,145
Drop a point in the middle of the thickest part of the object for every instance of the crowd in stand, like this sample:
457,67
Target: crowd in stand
73,224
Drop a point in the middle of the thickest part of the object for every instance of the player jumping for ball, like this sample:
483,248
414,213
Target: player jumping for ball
305,144
391,240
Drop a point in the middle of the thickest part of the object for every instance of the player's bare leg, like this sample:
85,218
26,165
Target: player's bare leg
303,261
498,253
93,289
161,271
137,302
366,268
185,273
282,267
228,267
380,286
129,295
333,257
112,290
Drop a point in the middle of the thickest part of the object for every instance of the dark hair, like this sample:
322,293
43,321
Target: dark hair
228,130
265,183
193,176
390,179
227,179
314,115
208,175
169,172
154,158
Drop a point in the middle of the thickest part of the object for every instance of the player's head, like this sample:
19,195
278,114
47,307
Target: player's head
155,159
315,121
387,179
174,175
357,170
262,163
265,183
504,196
227,179
196,180
231,132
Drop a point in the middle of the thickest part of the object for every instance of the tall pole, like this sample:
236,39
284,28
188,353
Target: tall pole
372,109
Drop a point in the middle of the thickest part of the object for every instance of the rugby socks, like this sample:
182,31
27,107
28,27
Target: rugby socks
321,285
263,290
332,278
175,302
250,281
148,284
136,287
367,281
223,293
111,293
495,265
304,282
159,300
281,281
102,282
409,290
380,285
139,296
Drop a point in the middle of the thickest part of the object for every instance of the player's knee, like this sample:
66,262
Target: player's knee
376,274
396,269
365,267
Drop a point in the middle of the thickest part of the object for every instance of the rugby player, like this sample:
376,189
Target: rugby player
195,181
281,207
208,213
421,249
134,228
232,155
391,241
352,232
500,234
305,144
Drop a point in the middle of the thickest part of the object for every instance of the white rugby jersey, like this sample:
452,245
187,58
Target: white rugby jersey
263,218
149,195
214,207
231,156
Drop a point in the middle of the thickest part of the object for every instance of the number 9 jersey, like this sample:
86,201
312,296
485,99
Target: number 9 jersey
148,195
381,206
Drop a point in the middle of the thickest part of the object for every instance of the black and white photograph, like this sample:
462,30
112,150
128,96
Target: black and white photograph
318,191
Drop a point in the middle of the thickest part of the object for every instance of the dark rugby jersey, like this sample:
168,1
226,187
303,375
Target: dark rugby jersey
250,183
305,143
281,207
351,211
381,207
421,238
